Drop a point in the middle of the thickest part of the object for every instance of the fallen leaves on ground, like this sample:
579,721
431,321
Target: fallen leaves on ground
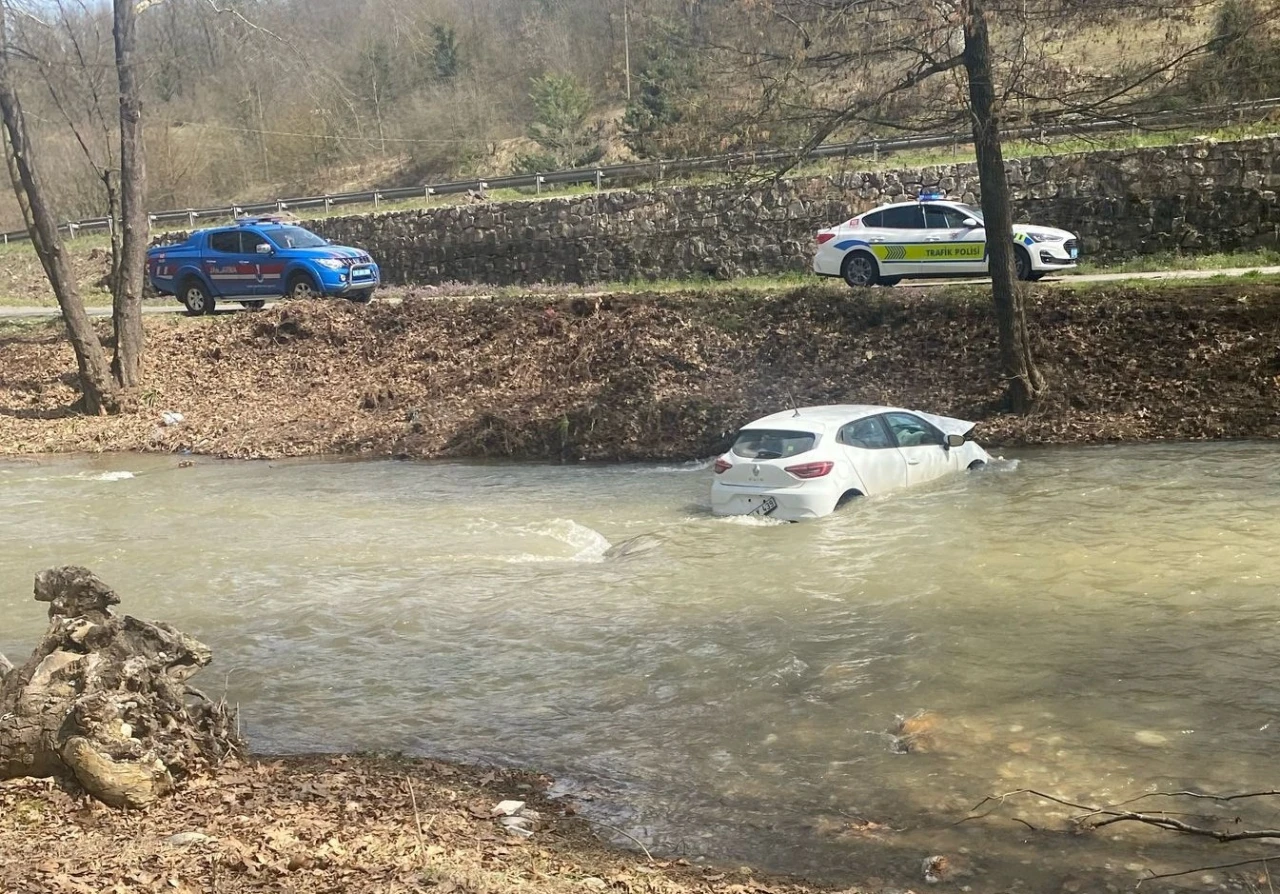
329,824
657,377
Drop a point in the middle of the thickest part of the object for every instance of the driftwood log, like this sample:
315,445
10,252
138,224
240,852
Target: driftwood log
104,699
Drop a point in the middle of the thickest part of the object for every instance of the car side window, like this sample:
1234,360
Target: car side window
252,240
912,431
940,217
875,219
228,242
868,434
903,217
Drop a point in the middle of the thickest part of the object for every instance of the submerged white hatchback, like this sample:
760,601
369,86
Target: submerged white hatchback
807,462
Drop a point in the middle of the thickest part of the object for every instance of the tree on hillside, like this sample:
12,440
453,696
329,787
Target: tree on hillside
560,109
104,385
872,65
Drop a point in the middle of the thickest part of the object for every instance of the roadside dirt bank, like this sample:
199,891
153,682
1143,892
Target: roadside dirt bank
335,824
657,377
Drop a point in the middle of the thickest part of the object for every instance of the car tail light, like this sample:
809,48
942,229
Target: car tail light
722,465
824,238
811,470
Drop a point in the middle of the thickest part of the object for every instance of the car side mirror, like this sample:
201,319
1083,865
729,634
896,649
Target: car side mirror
263,248
954,441
970,223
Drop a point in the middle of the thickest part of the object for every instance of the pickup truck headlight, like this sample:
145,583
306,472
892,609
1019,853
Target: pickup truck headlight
331,264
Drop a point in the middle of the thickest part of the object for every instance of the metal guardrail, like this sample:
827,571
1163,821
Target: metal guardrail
659,170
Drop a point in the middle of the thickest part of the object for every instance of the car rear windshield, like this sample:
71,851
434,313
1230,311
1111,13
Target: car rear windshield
295,237
768,443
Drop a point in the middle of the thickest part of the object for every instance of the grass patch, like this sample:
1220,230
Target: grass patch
1161,261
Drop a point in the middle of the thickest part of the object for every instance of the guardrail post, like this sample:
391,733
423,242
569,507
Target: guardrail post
191,219
428,193
328,204
599,180
537,184
71,229
280,206
377,199
235,211
111,225
875,152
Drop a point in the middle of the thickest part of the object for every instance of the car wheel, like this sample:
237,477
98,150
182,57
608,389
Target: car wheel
362,297
195,299
860,270
976,464
301,288
890,280
1022,264
847,497
253,305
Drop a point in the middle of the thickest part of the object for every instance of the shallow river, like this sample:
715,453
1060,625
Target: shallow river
1087,622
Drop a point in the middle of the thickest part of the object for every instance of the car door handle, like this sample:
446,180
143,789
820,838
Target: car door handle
913,462
876,239
934,239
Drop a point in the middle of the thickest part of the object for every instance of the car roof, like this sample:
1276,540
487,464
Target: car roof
949,203
818,419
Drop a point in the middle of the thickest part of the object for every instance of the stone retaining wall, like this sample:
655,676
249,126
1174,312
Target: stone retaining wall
1197,197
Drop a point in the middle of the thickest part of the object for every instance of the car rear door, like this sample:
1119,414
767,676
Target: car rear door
762,455
879,464
903,233
231,272
951,247
923,447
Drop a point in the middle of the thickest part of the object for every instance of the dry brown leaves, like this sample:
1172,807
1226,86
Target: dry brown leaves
657,377
322,824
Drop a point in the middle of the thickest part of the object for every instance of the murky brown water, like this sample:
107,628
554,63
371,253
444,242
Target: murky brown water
1089,622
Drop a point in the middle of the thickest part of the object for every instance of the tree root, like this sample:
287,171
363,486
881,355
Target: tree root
103,699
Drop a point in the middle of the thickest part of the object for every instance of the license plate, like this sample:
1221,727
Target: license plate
766,507
361,273
1075,253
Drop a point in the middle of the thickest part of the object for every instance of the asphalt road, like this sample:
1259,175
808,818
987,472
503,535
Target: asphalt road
169,307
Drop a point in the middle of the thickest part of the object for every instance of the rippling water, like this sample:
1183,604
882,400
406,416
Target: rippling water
1089,622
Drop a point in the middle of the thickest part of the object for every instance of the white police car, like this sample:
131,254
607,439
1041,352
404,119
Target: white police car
932,237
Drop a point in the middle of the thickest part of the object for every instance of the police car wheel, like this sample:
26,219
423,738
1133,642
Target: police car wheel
301,288
860,270
196,300
1022,264
890,280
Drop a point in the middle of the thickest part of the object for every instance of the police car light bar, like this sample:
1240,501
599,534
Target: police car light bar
931,196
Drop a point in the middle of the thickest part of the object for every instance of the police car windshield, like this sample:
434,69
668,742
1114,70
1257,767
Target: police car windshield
975,213
295,237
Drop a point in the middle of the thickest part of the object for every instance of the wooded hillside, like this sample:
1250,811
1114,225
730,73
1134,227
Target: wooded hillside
253,99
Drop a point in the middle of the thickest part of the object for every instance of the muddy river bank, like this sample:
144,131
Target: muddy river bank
657,377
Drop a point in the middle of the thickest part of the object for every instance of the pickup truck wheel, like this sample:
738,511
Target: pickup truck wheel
196,300
362,297
301,288
253,305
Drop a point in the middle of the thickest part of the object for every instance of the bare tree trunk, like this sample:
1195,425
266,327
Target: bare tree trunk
1024,384
127,298
113,214
96,382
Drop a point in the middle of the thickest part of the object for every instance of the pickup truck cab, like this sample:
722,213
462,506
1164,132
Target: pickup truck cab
256,259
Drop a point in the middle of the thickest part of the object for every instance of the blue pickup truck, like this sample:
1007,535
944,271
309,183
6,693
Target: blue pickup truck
256,259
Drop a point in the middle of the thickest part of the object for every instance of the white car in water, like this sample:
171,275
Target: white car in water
807,462
932,237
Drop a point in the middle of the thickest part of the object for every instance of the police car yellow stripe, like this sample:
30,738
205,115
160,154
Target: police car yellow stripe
929,252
